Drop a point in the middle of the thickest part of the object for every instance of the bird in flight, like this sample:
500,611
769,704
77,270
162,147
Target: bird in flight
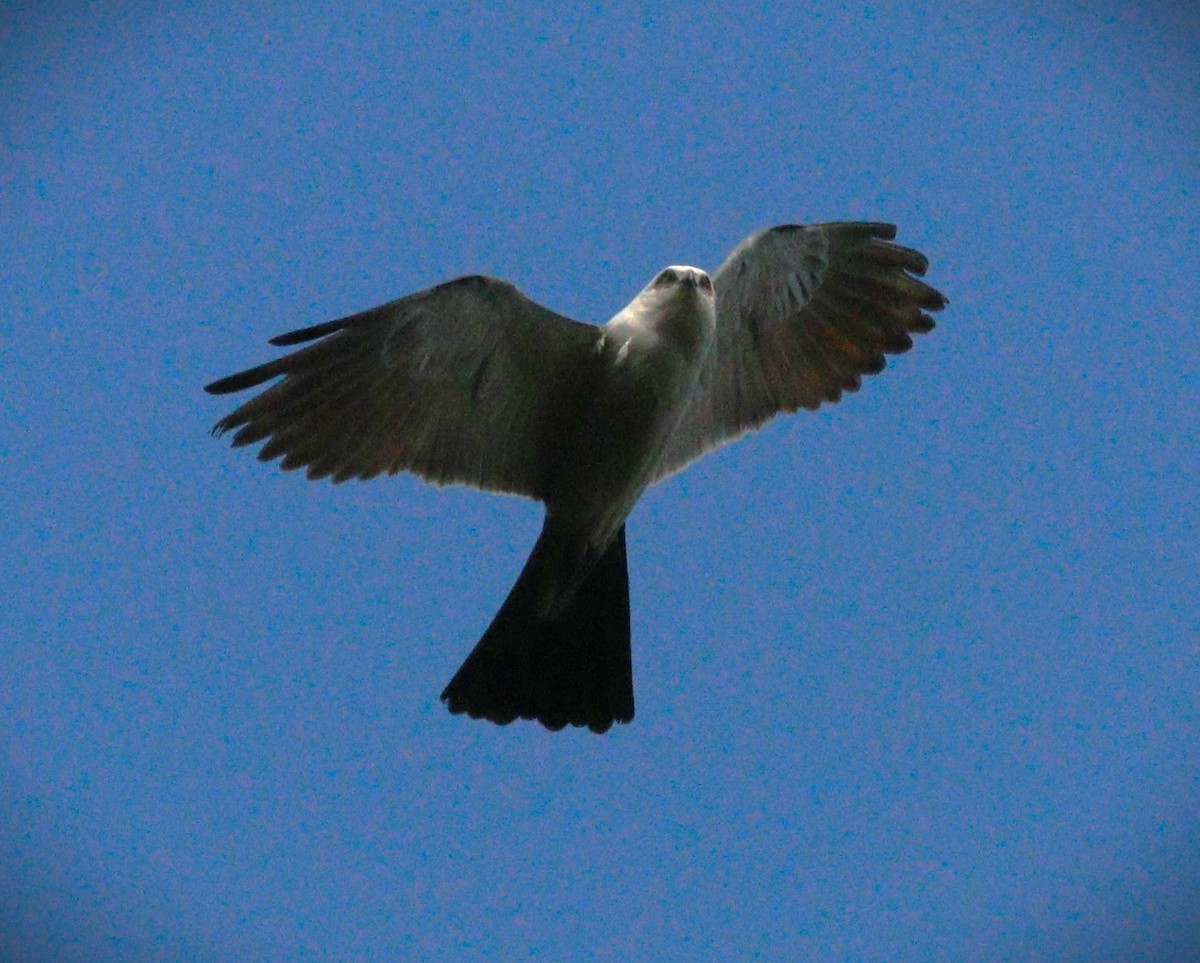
472,382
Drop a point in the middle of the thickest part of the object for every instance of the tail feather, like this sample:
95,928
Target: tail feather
574,668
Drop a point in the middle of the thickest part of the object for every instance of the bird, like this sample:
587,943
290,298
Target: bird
472,382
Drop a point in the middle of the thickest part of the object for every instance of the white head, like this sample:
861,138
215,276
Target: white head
679,279
679,305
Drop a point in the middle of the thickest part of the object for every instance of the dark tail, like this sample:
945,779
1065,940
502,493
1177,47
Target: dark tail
574,668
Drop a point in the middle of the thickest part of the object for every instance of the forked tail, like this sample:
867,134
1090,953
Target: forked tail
574,668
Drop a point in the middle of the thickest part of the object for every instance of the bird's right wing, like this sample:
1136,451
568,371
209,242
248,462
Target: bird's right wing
803,312
468,382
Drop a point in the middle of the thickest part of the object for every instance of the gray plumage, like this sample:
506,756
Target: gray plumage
472,382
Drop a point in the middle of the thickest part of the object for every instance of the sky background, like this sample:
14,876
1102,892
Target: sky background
917,676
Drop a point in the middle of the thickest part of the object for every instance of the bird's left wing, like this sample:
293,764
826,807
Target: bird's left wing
469,382
803,312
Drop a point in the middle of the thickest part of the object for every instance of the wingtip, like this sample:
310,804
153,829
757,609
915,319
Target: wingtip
234,382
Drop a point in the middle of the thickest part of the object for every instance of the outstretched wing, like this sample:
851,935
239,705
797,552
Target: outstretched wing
467,382
803,312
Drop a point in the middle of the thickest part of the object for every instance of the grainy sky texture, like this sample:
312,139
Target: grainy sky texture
918,676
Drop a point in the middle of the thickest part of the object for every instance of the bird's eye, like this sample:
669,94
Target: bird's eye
666,277
705,283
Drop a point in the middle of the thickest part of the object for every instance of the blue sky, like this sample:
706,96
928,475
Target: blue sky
916,675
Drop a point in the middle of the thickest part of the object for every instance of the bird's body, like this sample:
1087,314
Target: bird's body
472,382
650,355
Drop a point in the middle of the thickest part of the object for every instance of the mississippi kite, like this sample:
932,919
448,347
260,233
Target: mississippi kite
472,382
